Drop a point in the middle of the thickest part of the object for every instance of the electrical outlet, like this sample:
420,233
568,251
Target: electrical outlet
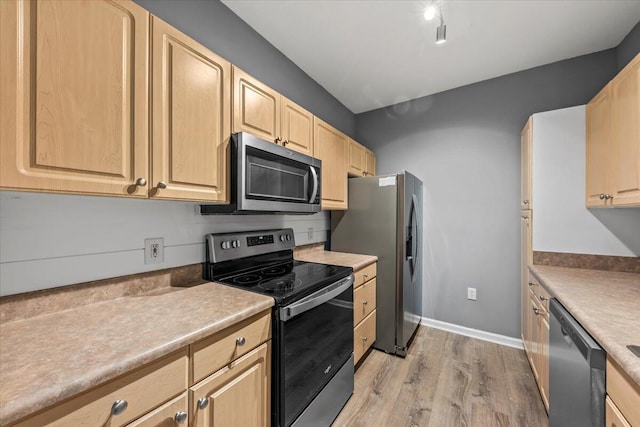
154,250
310,233
471,294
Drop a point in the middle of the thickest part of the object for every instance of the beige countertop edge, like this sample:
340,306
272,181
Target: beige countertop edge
31,400
356,261
598,328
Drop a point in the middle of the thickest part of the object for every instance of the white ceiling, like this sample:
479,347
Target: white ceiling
375,53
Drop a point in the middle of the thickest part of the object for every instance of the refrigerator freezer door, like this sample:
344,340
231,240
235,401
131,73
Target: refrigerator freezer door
370,227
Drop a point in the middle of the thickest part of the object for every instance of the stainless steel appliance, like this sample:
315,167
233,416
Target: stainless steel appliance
312,322
576,373
269,178
385,219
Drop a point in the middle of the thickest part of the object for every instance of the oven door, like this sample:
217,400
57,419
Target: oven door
275,178
316,340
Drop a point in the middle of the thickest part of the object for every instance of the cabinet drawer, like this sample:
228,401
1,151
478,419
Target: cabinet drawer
364,335
211,354
364,274
143,389
364,301
613,417
165,416
624,392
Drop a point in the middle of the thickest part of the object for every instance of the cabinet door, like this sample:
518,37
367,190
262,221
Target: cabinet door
533,335
526,138
357,160
297,127
171,414
237,395
625,128
600,156
330,146
613,416
256,107
364,335
74,102
543,358
525,259
191,118
370,162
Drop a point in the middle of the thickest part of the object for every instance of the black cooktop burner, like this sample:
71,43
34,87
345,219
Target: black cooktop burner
285,281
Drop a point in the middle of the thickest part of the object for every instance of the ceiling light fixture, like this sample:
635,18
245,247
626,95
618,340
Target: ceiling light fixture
441,31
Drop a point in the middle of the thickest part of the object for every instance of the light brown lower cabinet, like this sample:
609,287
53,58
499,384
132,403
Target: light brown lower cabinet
237,395
172,413
623,397
364,310
536,336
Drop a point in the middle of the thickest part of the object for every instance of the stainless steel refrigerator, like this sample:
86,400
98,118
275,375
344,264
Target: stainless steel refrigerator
385,219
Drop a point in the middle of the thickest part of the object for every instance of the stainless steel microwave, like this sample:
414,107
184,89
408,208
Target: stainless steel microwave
269,178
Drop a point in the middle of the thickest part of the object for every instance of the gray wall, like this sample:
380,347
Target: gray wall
629,47
464,144
217,27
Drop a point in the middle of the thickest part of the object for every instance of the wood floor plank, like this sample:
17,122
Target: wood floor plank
445,380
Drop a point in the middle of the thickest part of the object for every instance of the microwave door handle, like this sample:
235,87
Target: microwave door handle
315,299
315,184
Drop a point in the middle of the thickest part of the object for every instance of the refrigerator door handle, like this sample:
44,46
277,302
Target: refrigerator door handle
412,233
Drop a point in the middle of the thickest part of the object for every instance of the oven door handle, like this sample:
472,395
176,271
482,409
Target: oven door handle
314,174
315,299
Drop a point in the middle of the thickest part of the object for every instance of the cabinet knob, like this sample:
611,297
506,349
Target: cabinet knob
240,341
525,202
531,283
141,182
536,311
365,275
119,406
543,298
608,196
180,417
203,402
277,140
364,339
162,184
285,142
601,196
365,302
525,217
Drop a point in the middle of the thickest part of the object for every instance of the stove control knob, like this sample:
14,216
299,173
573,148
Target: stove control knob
234,244
282,238
237,243
288,236
226,244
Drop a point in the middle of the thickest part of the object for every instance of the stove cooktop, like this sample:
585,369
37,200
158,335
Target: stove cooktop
288,281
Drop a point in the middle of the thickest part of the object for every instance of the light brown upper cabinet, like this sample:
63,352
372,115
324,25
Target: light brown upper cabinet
370,163
613,141
74,109
361,160
357,160
261,111
331,146
526,139
191,89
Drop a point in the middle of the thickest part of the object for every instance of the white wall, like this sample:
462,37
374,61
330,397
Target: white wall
49,240
561,223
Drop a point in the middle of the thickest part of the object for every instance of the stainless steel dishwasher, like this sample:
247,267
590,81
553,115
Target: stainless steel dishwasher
576,373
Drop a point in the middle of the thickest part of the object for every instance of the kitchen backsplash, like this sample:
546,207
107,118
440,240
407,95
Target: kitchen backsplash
593,262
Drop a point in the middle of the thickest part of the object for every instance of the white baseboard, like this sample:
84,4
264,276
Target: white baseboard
473,333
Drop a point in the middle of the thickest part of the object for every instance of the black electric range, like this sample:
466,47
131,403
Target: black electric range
312,321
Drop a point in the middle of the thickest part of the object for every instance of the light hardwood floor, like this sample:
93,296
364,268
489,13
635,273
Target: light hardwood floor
445,380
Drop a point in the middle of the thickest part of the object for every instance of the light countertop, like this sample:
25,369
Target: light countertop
49,358
356,261
605,303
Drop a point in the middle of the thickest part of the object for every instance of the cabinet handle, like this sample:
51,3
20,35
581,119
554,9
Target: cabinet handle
608,196
364,339
277,140
162,184
119,406
365,275
180,417
203,402
365,302
543,298
601,196
531,284
525,217
285,142
141,182
536,311
240,341
525,202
